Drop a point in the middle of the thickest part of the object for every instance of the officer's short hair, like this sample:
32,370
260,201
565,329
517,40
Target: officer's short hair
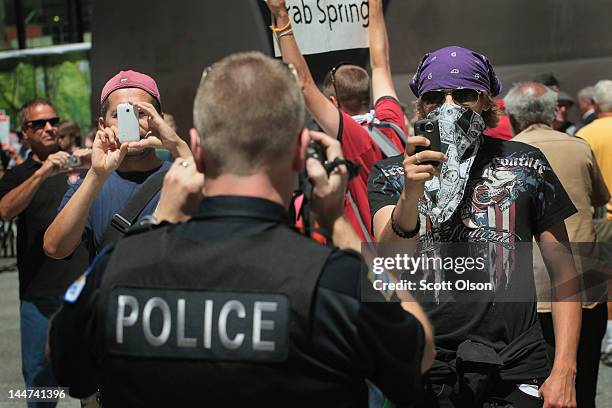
249,111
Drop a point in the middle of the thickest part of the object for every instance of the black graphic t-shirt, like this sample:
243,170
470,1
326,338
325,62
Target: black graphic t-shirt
512,194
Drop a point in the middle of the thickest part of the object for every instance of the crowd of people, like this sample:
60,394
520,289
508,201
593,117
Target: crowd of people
233,269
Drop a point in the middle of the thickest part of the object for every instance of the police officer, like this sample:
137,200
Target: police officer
234,307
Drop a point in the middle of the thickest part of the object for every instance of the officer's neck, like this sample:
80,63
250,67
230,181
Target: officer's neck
256,185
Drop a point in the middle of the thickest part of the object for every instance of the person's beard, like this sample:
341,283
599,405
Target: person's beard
139,153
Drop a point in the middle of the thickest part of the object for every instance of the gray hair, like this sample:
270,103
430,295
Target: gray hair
25,109
587,93
603,95
528,109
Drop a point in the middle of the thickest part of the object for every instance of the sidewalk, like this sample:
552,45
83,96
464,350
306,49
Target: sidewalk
10,352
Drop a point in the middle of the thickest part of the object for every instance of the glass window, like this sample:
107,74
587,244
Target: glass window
47,22
87,10
8,28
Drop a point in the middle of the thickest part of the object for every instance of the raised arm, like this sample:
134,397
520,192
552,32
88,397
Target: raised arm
320,107
65,232
382,82
404,214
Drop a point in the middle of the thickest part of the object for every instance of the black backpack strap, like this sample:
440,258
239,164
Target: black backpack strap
123,220
398,131
388,149
373,125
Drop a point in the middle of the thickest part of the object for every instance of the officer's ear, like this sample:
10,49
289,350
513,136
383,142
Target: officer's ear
196,149
299,158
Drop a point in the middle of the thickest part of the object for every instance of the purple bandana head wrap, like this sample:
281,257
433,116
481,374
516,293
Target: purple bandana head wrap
455,67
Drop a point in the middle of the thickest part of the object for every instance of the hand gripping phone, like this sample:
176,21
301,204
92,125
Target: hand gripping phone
73,161
430,129
129,129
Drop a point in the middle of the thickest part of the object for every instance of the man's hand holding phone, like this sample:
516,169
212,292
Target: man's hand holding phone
160,135
107,152
405,215
54,164
81,158
420,165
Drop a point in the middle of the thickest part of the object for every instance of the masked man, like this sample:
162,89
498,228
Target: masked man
492,193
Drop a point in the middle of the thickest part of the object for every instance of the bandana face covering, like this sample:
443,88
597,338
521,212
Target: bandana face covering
460,130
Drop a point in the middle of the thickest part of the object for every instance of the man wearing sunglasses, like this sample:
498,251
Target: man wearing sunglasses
32,191
346,93
491,198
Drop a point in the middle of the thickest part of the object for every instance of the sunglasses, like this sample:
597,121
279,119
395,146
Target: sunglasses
463,95
41,123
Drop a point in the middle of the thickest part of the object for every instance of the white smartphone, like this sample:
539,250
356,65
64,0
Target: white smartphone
129,129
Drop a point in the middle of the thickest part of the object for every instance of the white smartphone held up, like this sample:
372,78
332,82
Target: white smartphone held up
129,129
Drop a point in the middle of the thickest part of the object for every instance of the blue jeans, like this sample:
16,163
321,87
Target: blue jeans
34,365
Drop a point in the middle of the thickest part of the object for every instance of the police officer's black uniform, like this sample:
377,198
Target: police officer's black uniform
232,309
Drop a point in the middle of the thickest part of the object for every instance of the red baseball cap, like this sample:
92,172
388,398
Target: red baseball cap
130,79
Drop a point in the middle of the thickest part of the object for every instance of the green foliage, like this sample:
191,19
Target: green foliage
64,79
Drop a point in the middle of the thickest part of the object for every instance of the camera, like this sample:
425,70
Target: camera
426,126
316,151
73,161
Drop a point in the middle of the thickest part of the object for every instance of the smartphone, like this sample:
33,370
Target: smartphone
129,129
73,161
430,129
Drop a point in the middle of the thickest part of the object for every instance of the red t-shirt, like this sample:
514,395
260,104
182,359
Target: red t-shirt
358,146
503,131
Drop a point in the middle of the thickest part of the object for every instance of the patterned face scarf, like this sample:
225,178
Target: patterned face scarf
460,130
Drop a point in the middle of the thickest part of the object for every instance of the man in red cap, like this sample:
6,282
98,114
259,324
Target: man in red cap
118,170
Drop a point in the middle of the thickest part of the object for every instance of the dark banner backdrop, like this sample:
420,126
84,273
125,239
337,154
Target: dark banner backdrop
175,40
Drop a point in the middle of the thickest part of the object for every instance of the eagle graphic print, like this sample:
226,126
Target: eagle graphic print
507,190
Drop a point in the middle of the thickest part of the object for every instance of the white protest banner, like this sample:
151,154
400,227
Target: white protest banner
5,128
328,25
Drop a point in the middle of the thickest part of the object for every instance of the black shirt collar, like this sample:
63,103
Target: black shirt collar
242,207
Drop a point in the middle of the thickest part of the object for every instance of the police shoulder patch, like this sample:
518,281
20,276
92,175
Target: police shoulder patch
74,291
